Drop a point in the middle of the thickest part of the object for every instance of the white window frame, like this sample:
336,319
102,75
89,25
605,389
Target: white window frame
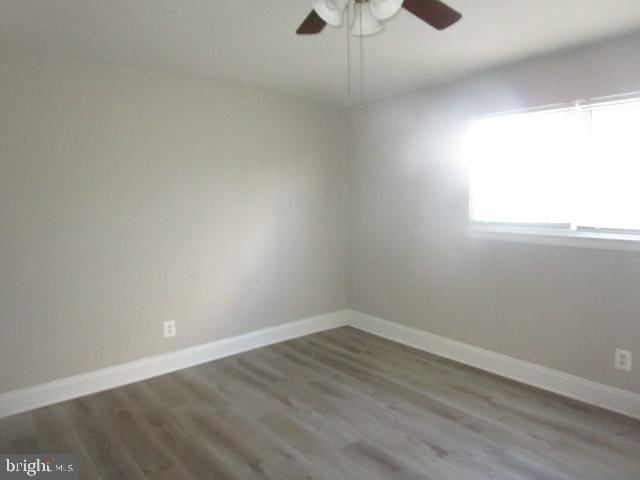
547,236
560,235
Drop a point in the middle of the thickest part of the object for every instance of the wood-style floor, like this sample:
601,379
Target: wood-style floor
335,405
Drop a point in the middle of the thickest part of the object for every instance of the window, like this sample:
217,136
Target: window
571,171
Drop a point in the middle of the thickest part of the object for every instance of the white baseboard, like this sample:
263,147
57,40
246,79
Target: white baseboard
617,400
610,398
49,393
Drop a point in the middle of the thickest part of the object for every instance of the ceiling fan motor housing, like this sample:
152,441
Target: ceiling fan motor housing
369,13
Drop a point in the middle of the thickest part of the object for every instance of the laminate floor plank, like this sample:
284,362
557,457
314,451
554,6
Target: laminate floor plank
539,449
102,443
15,428
472,381
136,435
197,457
566,437
473,395
246,445
57,435
340,404
317,450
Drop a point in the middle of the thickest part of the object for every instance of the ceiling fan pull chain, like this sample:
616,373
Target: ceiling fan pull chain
349,96
361,62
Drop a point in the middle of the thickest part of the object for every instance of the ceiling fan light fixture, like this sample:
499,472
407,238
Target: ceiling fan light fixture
385,9
331,11
364,22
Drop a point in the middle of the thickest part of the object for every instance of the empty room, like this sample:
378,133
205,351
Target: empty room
320,239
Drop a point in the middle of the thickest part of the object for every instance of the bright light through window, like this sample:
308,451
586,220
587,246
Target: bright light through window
575,167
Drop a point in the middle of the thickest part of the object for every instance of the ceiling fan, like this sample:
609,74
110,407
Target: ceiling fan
373,12
365,17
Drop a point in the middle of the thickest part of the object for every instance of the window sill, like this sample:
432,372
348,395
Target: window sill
539,236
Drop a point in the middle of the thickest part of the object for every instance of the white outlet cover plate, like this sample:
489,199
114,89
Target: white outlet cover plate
170,328
623,359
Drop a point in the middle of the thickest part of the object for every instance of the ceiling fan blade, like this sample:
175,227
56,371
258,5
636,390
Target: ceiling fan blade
434,12
311,25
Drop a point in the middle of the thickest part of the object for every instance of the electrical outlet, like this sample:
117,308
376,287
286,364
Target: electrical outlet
623,359
170,328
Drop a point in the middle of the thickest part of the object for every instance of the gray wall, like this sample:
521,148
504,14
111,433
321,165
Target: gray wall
130,197
561,307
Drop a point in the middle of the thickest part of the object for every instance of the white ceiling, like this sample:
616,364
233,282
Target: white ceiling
253,41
